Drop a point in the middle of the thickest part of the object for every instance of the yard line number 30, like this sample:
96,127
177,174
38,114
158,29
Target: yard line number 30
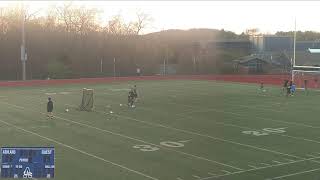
149,148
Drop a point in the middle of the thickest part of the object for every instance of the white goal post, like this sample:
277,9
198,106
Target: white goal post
310,74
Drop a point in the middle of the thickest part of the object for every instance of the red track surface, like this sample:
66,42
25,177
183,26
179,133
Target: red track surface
266,79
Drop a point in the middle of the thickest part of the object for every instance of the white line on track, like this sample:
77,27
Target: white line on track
78,150
294,174
131,138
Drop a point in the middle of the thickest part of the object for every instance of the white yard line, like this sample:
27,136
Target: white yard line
214,137
36,127
175,128
260,168
131,138
78,150
290,160
293,174
207,136
195,176
310,155
278,162
254,167
203,109
265,164
212,174
227,172
185,141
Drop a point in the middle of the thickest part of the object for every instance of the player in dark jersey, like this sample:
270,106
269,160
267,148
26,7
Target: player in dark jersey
293,89
49,108
289,88
135,93
131,98
306,86
262,87
285,85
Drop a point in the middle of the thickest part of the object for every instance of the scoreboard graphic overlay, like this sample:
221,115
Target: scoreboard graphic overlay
27,162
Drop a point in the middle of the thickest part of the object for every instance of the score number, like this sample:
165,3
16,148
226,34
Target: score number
265,131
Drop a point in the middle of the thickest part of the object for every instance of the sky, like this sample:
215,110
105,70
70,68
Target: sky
237,16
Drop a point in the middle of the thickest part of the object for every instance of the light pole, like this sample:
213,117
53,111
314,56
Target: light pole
23,45
114,67
164,66
194,64
101,65
294,50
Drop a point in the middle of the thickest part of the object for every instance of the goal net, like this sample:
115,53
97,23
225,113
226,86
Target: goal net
306,76
87,100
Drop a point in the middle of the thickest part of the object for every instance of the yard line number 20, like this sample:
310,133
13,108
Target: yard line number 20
265,131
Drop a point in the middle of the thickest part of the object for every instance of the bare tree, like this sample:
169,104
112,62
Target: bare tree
80,20
143,20
116,25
